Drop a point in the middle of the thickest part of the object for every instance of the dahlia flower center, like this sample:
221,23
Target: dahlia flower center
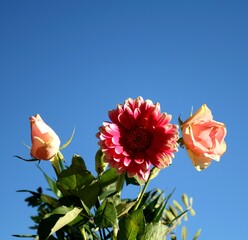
137,140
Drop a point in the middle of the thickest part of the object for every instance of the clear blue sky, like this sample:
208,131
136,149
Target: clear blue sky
72,61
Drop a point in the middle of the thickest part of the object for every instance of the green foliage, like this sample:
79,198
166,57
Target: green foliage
89,207
131,226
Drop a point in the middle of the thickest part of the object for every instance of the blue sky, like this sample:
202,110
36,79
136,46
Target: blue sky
72,61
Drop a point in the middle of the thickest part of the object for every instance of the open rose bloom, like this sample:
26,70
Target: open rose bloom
203,138
45,142
137,136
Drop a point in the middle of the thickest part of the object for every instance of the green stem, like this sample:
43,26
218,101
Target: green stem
115,232
143,190
57,163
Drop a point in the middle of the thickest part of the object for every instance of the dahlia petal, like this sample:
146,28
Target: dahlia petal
139,160
113,116
112,129
126,121
119,149
116,139
136,113
127,161
109,143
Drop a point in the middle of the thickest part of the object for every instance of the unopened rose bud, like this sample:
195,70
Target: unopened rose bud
45,142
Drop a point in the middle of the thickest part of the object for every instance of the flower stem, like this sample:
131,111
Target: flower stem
57,163
143,190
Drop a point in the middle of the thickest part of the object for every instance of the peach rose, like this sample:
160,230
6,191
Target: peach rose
203,138
45,142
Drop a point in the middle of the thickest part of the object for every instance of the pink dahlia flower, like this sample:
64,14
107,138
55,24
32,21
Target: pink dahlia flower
138,136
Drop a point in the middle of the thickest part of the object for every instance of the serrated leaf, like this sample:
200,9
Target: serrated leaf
62,210
52,184
106,215
184,233
108,177
48,199
78,162
67,218
124,207
154,231
54,222
77,181
197,234
131,226
46,225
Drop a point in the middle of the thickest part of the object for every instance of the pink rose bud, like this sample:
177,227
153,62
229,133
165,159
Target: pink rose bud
45,142
203,138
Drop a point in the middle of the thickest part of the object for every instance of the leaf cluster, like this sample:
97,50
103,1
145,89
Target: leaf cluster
85,206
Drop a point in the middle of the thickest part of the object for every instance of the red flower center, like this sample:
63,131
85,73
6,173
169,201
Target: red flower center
137,140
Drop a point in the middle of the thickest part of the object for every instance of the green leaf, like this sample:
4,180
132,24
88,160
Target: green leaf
184,233
50,200
77,181
169,215
111,190
185,200
180,121
46,225
169,196
197,234
62,210
100,165
173,210
78,162
154,231
178,206
154,209
134,181
106,215
54,222
52,184
24,236
66,219
154,173
108,177
131,226
124,207
192,211
69,141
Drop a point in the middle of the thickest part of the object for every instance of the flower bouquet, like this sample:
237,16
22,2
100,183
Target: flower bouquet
137,142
